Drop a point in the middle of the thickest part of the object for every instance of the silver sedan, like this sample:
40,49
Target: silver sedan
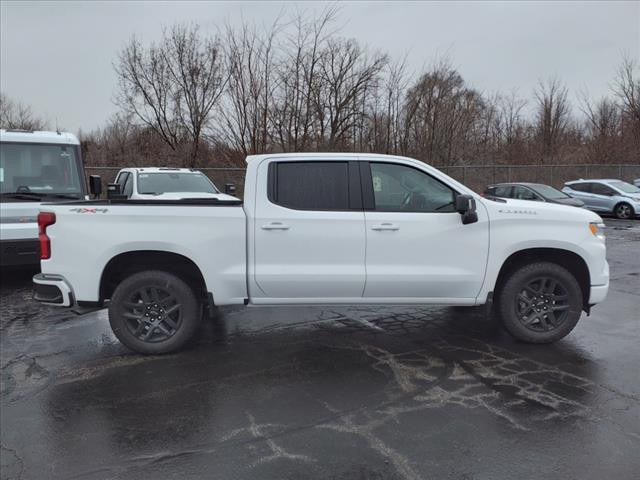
606,196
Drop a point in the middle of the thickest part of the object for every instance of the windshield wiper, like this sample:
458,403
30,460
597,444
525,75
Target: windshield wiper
34,197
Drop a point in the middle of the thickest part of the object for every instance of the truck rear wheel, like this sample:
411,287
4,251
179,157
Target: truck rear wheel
154,312
540,303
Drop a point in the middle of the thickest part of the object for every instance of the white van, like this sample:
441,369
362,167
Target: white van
35,168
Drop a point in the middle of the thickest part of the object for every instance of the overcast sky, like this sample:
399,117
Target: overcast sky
57,56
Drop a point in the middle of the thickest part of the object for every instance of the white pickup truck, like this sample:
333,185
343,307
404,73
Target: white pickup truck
164,183
323,229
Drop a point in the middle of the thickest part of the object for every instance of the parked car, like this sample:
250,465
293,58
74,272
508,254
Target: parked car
536,192
327,228
606,196
35,167
164,183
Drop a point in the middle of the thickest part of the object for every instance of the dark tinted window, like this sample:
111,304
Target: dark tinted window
600,189
580,187
310,185
128,185
122,179
400,188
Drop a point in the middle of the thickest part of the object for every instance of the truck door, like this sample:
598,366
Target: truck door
309,236
417,247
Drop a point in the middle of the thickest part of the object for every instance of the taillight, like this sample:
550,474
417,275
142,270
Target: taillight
44,220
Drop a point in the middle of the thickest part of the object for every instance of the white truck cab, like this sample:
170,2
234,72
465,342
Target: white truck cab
35,167
166,183
323,229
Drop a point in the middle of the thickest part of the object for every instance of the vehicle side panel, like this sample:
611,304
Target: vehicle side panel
84,240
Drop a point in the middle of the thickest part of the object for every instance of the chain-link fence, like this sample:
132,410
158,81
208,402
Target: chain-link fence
476,177
479,176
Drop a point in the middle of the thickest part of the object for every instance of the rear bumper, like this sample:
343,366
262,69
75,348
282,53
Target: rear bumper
53,290
19,252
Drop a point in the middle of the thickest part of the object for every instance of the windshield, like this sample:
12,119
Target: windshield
625,187
39,170
549,192
156,183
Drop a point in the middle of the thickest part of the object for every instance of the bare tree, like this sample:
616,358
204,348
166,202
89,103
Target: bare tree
627,88
249,93
293,111
17,115
173,86
552,114
441,115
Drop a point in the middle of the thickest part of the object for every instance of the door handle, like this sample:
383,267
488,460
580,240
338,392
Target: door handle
385,226
275,226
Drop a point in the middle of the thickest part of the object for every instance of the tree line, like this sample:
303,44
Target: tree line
200,99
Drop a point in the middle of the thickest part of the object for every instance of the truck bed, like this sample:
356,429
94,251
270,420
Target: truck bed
88,235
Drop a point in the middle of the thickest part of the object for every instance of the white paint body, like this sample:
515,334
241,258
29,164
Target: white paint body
264,253
18,218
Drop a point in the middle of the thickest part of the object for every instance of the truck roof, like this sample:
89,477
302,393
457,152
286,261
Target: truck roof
31,136
312,156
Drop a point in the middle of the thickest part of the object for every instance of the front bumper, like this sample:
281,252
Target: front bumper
53,290
598,293
19,252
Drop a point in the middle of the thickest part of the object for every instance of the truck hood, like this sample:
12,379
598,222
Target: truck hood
521,209
183,195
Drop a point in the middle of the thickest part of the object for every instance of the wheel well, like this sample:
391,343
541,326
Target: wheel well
569,260
620,203
126,264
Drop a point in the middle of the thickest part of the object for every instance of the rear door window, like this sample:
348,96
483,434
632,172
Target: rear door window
310,185
580,187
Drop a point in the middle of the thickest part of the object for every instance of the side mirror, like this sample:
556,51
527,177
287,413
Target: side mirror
230,189
95,185
466,206
114,192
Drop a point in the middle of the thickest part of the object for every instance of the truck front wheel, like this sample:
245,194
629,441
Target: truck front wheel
540,302
153,312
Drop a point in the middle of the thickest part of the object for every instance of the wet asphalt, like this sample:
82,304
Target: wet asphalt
325,393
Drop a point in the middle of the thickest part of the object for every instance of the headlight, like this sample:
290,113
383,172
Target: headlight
597,229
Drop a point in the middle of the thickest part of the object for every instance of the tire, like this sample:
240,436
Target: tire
623,211
154,312
540,303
